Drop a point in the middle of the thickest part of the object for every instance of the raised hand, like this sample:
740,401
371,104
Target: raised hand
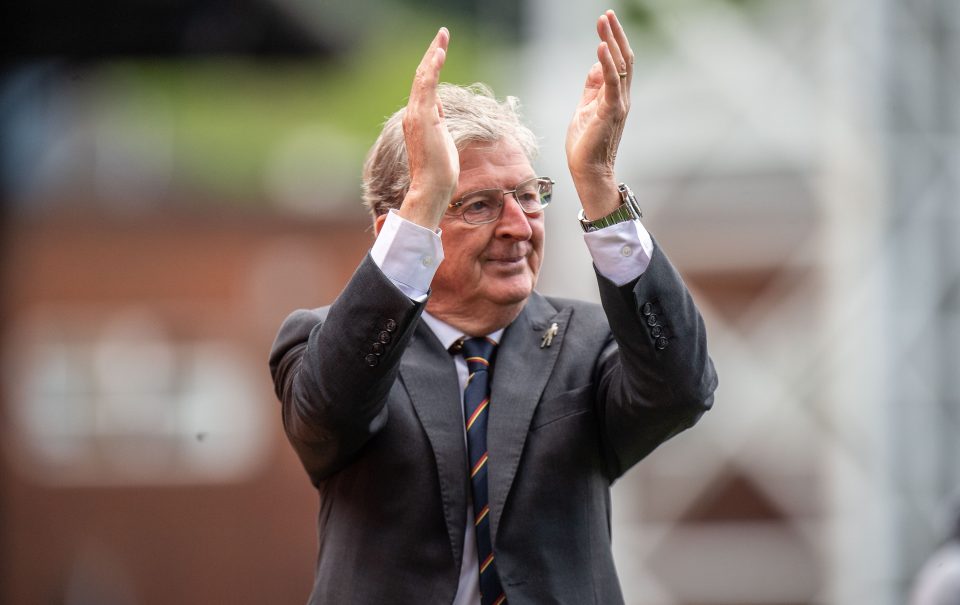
594,133
431,153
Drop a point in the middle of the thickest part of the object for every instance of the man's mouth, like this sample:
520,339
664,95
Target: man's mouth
509,262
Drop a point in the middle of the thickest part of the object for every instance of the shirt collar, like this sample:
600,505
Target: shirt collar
447,334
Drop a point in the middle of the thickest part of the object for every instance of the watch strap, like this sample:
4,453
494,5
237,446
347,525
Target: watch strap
629,210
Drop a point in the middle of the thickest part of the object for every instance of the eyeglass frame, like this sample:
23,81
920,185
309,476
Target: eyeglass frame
503,194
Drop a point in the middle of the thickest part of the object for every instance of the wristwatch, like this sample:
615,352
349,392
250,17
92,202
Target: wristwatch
629,210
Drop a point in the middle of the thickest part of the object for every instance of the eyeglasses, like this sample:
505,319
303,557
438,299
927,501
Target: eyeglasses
486,205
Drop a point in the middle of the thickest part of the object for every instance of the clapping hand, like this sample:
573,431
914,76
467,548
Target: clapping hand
431,153
594,133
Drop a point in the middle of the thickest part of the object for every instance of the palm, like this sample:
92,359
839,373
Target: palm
594,131
432,158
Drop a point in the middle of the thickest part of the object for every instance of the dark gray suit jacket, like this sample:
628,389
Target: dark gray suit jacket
384,443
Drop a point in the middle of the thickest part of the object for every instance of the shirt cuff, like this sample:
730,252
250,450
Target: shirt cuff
408,255
621,252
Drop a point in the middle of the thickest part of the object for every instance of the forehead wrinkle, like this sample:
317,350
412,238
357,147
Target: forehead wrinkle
484,157
495,182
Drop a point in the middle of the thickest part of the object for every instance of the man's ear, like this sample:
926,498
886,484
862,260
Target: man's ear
378,223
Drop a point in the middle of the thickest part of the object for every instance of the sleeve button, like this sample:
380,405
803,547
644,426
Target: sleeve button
371,359
377,348
651,320
662,343
626,251
384,337
647,309
390,325
656,331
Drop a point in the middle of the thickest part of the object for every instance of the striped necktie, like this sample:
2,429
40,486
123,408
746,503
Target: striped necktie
476,407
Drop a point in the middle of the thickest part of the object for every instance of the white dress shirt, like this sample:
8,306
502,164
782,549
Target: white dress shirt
409,255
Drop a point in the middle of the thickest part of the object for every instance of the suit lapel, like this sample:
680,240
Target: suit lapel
430,377
520,374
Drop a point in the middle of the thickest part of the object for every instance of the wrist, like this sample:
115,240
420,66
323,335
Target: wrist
598,198
422,209
628,210
594,175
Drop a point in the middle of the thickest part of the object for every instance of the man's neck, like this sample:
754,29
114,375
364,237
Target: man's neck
449,335
477,322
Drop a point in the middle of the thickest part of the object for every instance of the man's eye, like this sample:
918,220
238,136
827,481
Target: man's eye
478,206
529,196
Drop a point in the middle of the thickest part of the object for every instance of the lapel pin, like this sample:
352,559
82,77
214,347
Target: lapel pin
548,335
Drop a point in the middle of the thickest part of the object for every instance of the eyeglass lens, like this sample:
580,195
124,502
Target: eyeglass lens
485,206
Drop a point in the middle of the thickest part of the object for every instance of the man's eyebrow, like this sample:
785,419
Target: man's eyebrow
493,187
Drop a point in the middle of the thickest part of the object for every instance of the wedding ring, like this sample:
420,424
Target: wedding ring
622,74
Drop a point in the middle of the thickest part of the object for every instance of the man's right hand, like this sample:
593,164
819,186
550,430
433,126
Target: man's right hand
431,153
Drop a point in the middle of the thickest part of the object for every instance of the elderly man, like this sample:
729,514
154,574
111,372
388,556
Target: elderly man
462,430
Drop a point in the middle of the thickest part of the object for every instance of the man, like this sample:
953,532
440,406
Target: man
462,430
938,581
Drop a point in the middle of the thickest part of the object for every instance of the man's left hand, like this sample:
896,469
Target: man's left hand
594,133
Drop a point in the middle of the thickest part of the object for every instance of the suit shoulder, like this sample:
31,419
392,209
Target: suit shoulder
584,312
575,304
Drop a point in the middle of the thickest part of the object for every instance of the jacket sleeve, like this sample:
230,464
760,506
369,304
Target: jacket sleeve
333,368
656,378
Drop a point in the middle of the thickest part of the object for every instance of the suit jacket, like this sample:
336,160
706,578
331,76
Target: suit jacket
370,403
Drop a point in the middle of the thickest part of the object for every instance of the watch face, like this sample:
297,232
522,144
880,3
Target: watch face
586,225
631,201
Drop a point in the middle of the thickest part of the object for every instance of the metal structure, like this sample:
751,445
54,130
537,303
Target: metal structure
800,162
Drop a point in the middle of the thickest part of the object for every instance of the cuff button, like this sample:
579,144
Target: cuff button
372,360
662,343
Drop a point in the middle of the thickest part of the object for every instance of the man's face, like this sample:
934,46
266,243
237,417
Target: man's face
492,267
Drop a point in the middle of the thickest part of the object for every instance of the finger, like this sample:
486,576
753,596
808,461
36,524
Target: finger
433,59
594,77
605,31
611,75
441,41
423,91
591,88
624,45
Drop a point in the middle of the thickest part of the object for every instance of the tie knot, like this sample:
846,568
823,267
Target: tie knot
478,351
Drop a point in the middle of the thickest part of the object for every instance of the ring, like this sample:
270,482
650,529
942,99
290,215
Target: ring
622,74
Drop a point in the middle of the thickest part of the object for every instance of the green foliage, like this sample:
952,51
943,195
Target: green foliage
642,14
227,116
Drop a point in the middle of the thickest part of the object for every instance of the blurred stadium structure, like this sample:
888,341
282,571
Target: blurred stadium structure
178,176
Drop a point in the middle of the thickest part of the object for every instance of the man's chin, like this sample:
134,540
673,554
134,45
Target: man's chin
511,291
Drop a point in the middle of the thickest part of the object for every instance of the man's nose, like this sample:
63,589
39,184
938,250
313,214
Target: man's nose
513,221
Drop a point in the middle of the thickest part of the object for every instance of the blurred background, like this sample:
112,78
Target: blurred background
178,175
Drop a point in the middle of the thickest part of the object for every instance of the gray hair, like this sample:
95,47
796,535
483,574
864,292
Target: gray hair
471,113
